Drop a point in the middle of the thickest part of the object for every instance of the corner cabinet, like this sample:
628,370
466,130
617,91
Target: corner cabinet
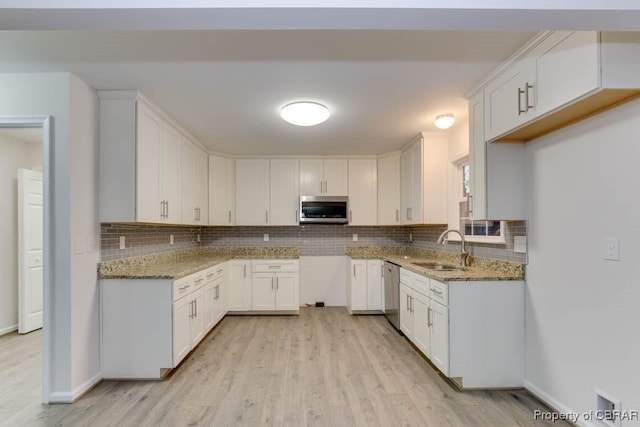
141,152
150,326
559,78
221,191
194,184
423,189
472,331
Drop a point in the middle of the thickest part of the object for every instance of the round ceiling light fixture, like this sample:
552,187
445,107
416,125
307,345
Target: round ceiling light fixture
445,121
304,113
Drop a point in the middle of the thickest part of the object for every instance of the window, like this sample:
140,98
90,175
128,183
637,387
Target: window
487,231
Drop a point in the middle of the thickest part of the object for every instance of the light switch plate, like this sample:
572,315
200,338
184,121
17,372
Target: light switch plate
355,237
171,239
266,237
122,242
612,249
520,244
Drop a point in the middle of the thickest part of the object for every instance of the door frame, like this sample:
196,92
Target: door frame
46,123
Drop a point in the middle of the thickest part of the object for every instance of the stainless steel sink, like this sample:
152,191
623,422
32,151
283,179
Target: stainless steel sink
437,266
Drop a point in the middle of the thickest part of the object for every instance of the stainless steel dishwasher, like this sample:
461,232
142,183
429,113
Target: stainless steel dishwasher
392,293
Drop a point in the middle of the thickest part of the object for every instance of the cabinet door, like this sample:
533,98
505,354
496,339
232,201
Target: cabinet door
182,312
170,173
363,192
421,329
440,336
287,292
201,186
239,289
505,98
263,291
336,177
406,191
252,192
218,298
187,182
284,192
358,282
221,191
567,67
311,177
417,184
149,147
389,190
477,159
197,319
374,285
406,318
208,302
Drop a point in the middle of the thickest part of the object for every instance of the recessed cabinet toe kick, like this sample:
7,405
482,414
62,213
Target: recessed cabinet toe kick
472,331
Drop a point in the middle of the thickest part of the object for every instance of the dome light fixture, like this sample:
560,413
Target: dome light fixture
445,121
304,113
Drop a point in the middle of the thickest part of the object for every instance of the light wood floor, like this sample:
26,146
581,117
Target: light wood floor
321,368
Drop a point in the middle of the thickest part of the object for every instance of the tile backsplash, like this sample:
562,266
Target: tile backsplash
312,240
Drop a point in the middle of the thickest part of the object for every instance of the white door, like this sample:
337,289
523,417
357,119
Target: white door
187,182
30,247
252,192
421,328
440,336
149,145
374,285
406,318
388,194
196,326
239,295
221,191
358,284
170,174
311,177
406,189
263,291
336,177
182,313
363,192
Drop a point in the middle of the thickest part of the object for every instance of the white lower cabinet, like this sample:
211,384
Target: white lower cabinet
472,331
239,290
274,286
149,326
364,285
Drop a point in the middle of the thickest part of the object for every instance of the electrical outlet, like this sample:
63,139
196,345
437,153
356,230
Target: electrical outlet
612,249
198,238
520,244
355,237
122,242
171,239
266,237
410,236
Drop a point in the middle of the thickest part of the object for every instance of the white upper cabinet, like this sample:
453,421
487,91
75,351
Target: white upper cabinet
424,181
144,163
221,191
559,78
363,192
388,190
284,192
193,185
149,205
323,177
252,192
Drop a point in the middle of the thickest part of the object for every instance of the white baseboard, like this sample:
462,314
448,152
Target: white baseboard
77,393
553,403
8,329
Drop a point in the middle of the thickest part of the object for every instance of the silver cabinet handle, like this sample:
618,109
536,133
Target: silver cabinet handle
527,86
195,214
428,316
326,187
195,304
408,302
272,283
350,216
321,191
245,271
354,270
382,270
229,217
167,209
436,291
266,217
277,283
199,280
397,215
190,309
520,110
470,203
161,209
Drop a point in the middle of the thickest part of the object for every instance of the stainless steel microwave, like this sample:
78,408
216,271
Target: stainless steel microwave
324,210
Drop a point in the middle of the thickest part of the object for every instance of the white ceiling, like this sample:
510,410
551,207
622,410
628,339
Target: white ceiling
227,87
223,68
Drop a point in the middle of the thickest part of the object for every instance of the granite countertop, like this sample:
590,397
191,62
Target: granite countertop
178,264
479,268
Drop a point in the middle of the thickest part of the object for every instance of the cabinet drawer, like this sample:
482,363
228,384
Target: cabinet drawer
274,265
440,292
415,281
214,273
182,287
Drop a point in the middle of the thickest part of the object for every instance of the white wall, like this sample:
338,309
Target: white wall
73,277
582,311
323,278
14,155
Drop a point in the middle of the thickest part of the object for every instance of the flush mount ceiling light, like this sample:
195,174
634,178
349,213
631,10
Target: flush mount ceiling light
445,121
304,113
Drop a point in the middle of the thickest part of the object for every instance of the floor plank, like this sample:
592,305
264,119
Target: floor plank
323,367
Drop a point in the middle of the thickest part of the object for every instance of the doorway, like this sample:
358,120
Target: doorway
24,259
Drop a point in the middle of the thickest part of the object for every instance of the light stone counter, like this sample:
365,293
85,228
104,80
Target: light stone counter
178,264
479,268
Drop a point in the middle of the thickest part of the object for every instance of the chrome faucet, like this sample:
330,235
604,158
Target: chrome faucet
464,255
